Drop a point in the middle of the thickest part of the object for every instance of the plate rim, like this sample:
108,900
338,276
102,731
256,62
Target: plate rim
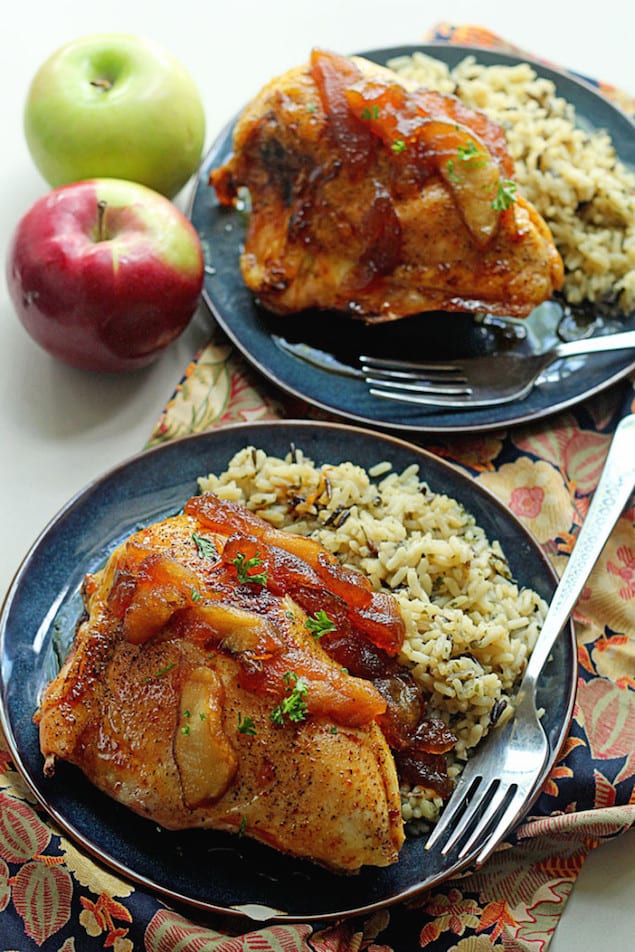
277,378
255,912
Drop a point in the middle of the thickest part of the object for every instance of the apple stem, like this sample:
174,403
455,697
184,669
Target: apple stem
101,83
101,215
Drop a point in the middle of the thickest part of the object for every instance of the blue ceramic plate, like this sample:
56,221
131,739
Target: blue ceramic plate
294,352
210,870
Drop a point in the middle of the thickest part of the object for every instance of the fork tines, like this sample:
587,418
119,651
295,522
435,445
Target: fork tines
392,377
477,828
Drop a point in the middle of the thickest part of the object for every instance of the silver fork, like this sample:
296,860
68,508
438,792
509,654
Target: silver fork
492,791
476,381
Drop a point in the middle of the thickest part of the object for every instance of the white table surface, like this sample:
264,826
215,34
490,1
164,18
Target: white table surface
60,428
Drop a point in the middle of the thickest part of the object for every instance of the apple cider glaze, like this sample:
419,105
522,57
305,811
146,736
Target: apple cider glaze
380,199
235,676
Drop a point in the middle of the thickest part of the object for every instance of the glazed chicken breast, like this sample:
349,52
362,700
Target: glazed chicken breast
233,676
373,197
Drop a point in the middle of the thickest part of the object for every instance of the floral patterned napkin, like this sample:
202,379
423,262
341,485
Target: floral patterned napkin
53,896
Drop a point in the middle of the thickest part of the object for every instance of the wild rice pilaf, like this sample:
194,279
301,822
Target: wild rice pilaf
469,628
571,175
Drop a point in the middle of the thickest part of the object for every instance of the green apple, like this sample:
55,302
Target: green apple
115,105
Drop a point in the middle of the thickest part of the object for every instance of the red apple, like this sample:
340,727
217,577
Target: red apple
105,273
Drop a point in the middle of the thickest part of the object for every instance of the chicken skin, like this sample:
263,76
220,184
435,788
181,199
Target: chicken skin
379,199
198,691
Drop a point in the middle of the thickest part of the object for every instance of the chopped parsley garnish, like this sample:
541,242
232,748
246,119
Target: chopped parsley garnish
319,624
398,146
469,151
195,595
185,729
293,706
505,195
290,678
206,547
246,725
161,671
243,826
451,173
466,153
370,112
244,567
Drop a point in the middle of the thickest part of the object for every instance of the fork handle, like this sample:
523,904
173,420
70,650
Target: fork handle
625,340
612,493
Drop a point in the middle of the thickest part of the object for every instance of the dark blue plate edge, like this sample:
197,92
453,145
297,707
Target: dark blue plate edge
299,427
460,424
